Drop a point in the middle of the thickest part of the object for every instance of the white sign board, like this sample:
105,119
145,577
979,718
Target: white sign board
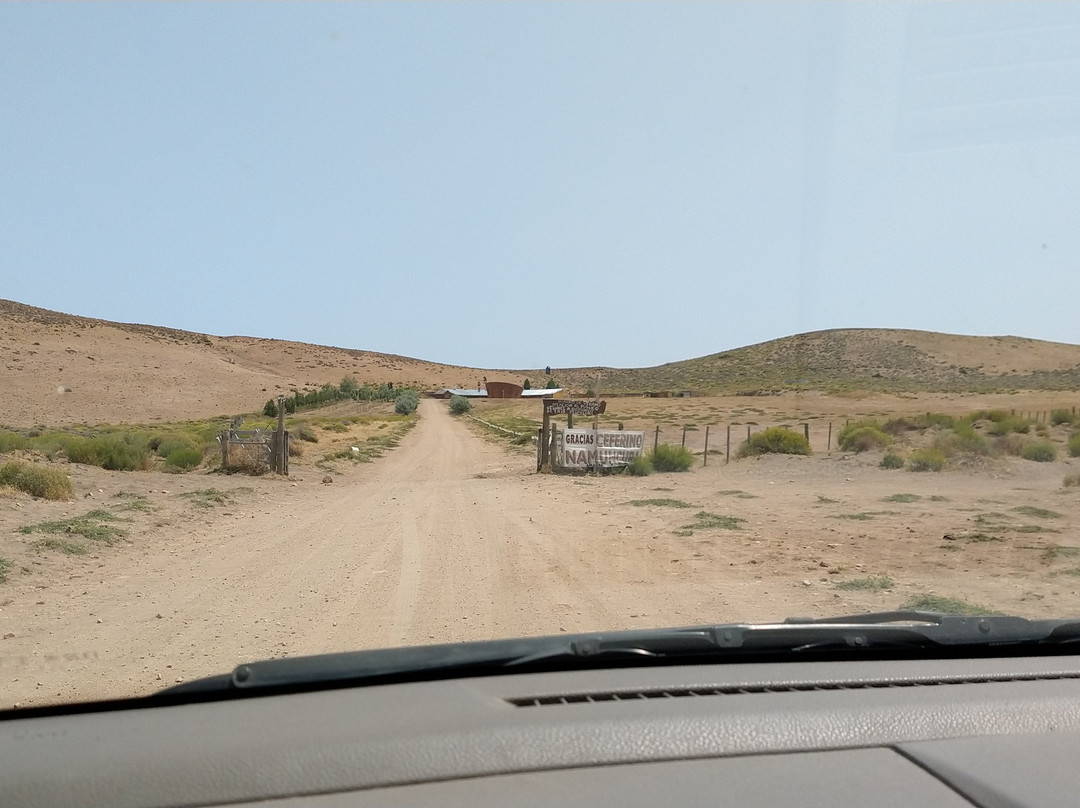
580,448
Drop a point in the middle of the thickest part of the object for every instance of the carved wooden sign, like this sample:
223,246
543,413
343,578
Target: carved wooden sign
561,406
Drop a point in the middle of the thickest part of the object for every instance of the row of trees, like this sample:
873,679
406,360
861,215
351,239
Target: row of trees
348,390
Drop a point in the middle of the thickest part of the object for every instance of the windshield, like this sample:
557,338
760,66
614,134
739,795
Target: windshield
465,321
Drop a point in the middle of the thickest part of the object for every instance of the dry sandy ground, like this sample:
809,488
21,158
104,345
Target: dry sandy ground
450,537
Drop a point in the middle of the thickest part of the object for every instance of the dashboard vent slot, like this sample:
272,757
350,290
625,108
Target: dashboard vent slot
779,687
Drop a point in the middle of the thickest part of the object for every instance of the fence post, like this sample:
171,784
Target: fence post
684,436
223,436
828,444
748,431
539,449
705,454
727,452
806,432
656,438
279,438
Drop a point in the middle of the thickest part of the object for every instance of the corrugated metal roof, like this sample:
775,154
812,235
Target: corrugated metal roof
541,391
466,393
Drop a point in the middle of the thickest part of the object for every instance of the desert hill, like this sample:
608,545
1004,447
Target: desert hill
61,368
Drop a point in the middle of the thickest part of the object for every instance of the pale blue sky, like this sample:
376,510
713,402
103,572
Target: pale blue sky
520,185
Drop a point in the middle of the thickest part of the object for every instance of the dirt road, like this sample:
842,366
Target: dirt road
450,537
436,542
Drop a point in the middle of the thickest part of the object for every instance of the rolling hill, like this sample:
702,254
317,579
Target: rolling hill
61,368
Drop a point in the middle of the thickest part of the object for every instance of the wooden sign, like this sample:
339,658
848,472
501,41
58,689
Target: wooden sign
562,406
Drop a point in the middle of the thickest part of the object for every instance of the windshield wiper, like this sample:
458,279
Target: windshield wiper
795,638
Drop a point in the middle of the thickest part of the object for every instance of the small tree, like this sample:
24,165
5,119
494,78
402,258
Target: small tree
527,385
349,386
547,370
551,384
459,405
270,408
406,403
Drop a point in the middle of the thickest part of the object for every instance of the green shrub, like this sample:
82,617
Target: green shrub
639,466
5,568
963,439
926,460
12,441
183,458
270,408
775,440
939,419
406,403
305,432
36,480
1058,417
1074,445
1012,423
897,426
668,457
1041,452
112,452
892,461
863,439
459,405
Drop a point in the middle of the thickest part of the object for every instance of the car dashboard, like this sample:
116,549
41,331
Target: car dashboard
945,732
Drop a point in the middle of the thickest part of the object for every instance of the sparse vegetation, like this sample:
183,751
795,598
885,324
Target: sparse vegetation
66,546
183,458
1041,452
36,480
873,583
1038,513
775,440
92,525
902,498
5,569
892,461
668,457
708,521
936,603
926,460
459,405
207,497
307,433
662,502
1071,480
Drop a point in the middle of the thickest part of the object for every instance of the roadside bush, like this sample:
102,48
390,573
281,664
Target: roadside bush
892,461
639,466
305,432
1041,452
1009,445
110,452
183,458
1013,423
844,435
406,403
1058,417
775,440
1074,445
939,419
459,405
668,457
898,426
926,460
38,481
863,439
12,441
963,439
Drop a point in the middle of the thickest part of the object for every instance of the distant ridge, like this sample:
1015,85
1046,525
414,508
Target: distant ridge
139,373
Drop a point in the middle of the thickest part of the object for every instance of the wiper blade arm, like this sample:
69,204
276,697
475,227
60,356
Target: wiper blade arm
883,631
